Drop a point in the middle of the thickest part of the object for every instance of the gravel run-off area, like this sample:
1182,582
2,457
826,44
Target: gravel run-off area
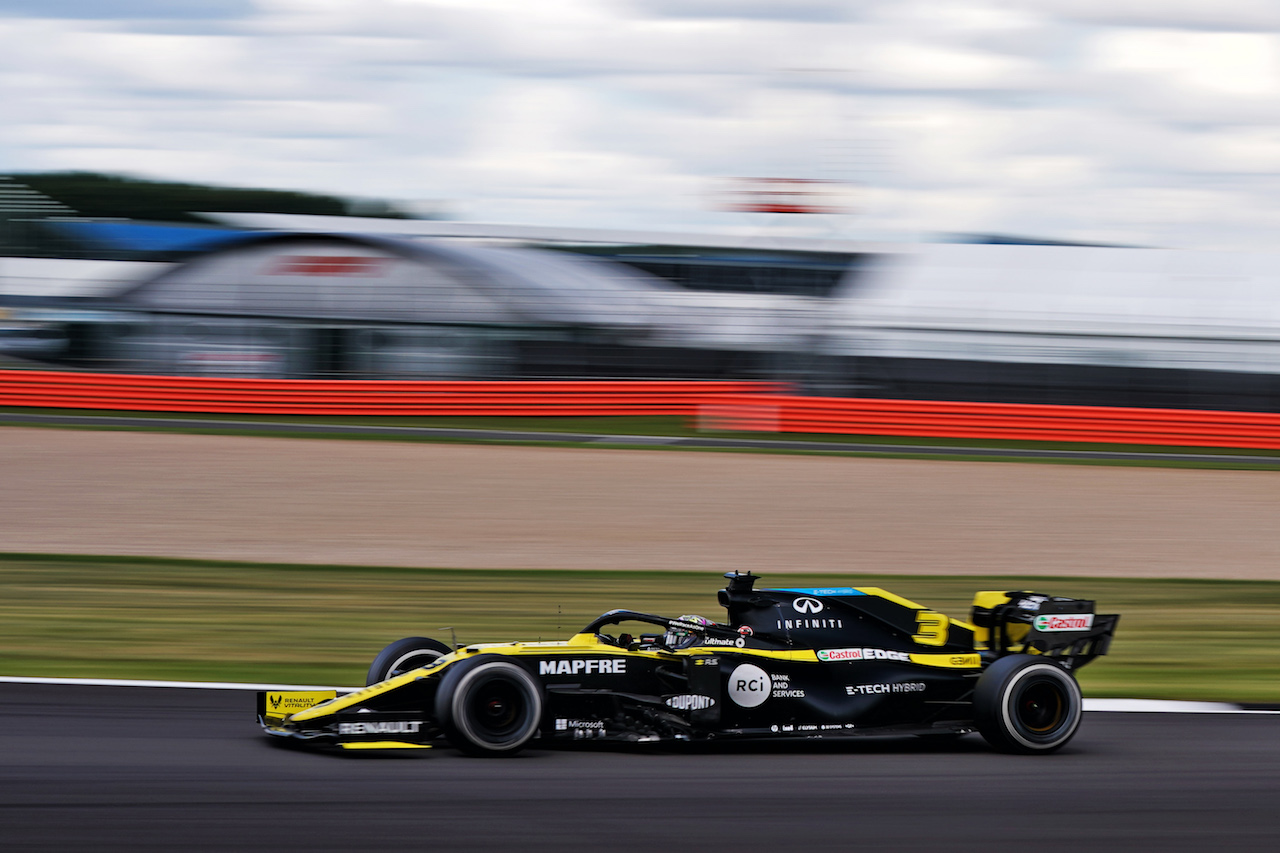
470,506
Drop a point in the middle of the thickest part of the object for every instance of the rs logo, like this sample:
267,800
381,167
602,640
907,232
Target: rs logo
807,605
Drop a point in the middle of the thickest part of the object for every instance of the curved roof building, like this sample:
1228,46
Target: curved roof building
355,278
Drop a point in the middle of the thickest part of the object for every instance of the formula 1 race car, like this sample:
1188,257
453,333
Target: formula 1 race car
807,663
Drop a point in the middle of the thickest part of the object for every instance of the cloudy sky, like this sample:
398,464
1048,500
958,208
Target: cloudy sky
1153,122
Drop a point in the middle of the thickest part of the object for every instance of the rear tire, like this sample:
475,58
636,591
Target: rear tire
1027,704
489,706
405,655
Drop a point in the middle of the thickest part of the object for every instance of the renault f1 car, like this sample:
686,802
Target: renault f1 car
785,663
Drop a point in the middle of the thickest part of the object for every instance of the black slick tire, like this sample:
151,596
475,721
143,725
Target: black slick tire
1027,704
404,655
489,706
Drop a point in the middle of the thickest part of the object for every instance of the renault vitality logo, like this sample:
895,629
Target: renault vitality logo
807,605
292,701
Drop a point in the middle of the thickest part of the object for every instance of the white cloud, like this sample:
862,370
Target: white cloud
1235,65
910,65
1232,15
126,9
1050,118
792,10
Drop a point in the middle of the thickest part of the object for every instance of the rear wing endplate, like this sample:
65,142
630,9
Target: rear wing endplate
1065,629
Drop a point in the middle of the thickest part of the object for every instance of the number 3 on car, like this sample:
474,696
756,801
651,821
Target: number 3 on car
932,628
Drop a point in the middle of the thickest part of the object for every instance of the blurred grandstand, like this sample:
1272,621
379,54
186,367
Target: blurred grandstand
304,294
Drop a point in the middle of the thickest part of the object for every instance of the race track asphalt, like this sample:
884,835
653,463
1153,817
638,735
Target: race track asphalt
107,768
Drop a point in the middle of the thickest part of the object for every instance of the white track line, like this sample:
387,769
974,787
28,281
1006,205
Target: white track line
196,685
1160,706
1145,706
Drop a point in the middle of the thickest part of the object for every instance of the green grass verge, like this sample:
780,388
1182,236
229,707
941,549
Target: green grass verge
180,619
645,425
900,447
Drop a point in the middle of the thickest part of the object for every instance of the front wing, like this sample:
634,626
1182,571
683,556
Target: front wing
349,730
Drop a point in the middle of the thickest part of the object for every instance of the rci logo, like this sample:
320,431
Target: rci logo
807,605
749,685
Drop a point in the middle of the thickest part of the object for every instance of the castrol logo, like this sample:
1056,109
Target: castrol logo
1072,622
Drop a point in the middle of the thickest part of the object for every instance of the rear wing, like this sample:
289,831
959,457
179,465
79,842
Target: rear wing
1065,629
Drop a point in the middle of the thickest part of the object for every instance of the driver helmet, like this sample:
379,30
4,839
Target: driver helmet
678,638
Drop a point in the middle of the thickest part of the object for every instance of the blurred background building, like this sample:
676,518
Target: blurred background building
312,294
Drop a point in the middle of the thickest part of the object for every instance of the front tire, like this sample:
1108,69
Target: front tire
489,706
1027,704
404,655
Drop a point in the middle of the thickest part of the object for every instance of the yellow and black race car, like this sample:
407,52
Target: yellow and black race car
806,663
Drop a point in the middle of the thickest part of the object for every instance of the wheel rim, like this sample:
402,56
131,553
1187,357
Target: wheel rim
1041,707
497,709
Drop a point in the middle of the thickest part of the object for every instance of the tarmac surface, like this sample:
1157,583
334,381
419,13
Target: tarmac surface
393,503
104,768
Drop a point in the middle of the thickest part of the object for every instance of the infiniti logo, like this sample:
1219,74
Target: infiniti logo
807,605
